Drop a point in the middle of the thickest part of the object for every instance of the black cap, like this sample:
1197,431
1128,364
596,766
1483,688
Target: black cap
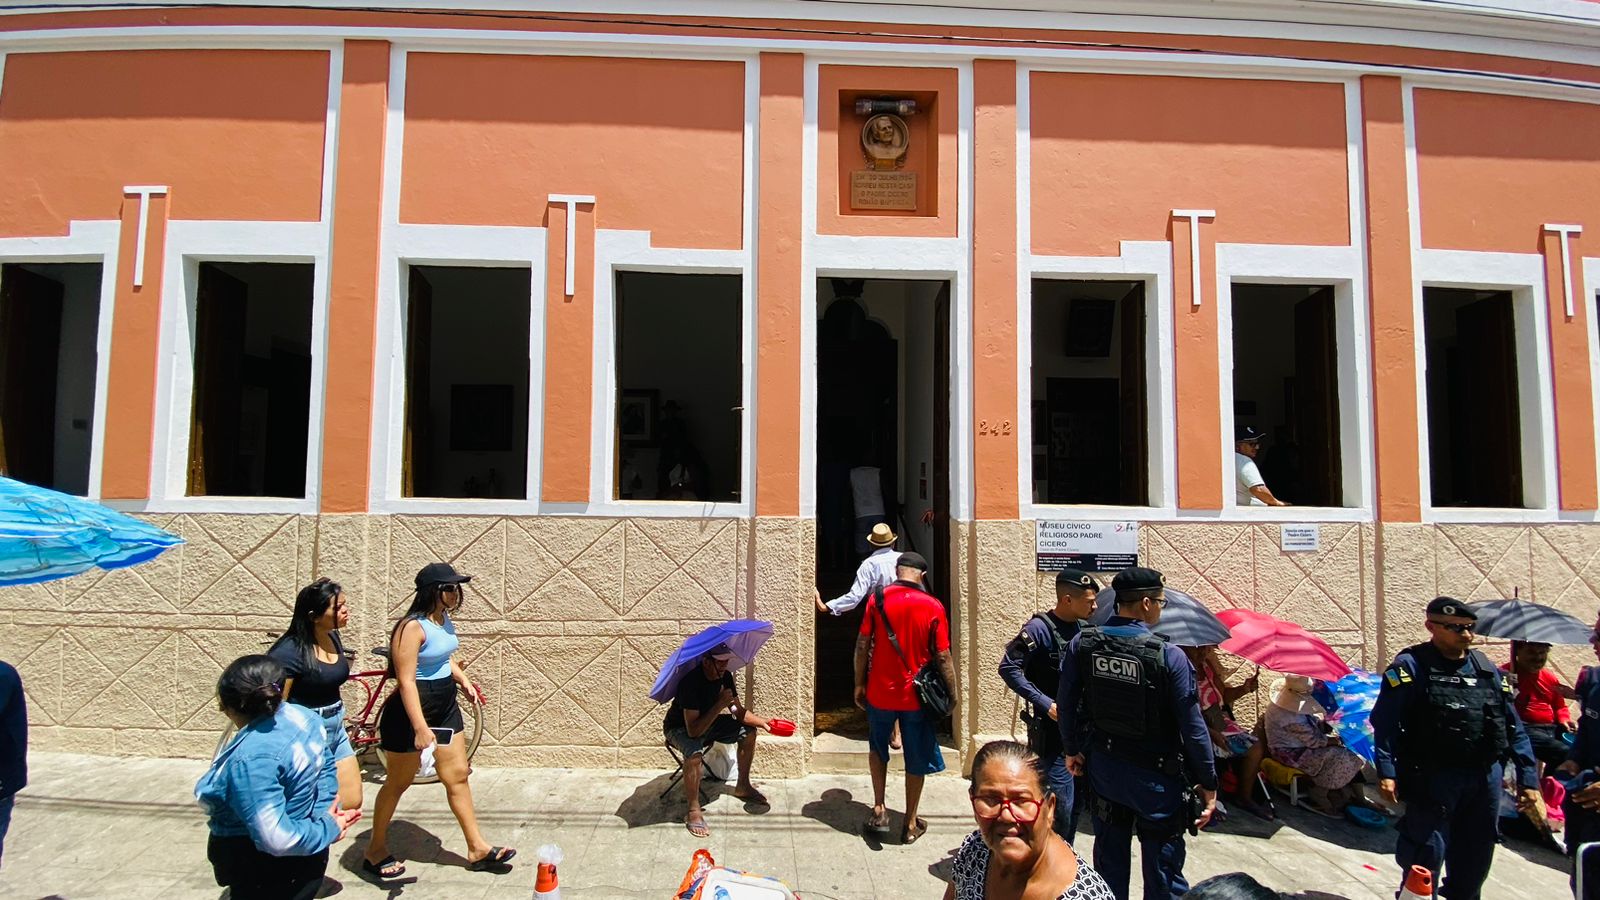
1076,578
1450,606
1243,434
1137,578
912,560
440,573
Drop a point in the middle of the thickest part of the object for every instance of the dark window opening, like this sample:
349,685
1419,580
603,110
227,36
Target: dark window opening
1474,409
49,329
250,419
1286,386
1090,419
466,417
679,387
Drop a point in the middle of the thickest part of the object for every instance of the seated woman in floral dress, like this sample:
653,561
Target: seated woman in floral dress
1298,736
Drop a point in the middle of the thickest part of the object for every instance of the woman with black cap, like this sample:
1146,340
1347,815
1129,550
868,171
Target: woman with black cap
423,713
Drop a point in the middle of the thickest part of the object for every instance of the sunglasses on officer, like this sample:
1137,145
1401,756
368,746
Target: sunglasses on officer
1456,627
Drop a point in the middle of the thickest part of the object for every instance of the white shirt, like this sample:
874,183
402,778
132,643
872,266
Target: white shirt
875,572
1247,476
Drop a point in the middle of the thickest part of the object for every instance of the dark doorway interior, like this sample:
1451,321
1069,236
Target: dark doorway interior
49,328
883,437
1090,412
1286,385
1474,409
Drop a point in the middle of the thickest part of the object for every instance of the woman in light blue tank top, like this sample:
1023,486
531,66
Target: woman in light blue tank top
420,713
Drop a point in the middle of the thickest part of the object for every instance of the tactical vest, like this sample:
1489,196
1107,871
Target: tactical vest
1043,670
1460,721
1589,718
1124,706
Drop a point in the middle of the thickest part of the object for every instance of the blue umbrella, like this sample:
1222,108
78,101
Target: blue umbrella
1355,693
743,637
45,535
1185,621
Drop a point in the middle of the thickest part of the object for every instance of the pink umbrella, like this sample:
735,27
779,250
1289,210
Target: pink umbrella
1280,646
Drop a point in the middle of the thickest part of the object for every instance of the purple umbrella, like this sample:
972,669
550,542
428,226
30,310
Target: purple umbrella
743,637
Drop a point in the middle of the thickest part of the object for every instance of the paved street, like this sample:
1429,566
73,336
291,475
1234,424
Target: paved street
96,827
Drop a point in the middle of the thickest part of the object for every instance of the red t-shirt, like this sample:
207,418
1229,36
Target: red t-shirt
915,615
1539,700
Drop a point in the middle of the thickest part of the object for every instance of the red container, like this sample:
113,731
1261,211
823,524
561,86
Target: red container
781,727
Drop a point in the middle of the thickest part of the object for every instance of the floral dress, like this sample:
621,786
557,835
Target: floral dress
1299,741
972,864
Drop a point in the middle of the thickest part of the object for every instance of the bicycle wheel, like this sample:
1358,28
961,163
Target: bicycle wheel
472,730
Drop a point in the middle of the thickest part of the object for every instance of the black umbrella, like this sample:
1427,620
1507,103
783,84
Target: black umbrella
1185,621
1519,620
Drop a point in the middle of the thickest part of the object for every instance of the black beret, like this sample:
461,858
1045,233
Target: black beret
1137,578
1450,606
912,560
1076,578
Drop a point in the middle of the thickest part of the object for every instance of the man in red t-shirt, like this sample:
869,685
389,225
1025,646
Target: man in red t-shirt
885,691
1541,701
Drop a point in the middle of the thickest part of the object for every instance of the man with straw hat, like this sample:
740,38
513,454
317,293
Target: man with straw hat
875,573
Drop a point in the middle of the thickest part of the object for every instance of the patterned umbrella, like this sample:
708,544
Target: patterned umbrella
743,636
1280,646
45,535
1519,620
1356,693
1184,620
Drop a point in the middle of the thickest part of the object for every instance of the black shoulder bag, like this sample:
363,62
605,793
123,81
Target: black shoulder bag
932,693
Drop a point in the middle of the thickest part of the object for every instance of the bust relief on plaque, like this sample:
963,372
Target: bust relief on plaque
885,140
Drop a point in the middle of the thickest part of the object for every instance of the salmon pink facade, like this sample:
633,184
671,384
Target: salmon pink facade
600,307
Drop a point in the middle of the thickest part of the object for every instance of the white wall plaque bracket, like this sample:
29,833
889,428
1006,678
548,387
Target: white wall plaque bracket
1566,232
571,201
144,192
1194,216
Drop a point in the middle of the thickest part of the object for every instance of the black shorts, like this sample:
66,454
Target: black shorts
250,874
440,709
724,730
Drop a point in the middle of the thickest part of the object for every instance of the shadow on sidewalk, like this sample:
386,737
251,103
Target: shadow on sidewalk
646,806
838,809
408,843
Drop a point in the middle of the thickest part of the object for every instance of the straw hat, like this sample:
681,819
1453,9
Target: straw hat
881,536
1293,693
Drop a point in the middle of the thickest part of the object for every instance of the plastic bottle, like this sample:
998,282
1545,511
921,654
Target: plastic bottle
545,886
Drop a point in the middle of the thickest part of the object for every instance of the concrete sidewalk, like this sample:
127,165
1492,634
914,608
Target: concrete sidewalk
96,827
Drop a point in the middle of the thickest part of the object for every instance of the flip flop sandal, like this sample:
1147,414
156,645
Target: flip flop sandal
494,859
869,826
910,835
381,870
698,827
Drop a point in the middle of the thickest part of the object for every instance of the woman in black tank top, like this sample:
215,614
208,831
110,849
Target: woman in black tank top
316,667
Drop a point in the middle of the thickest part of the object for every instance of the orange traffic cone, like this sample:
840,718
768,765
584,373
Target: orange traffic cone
545,885
1419,884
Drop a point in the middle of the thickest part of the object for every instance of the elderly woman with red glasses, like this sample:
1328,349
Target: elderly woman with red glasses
1016,852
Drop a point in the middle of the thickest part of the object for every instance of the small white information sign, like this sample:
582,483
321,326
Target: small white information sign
1091,546
1300,538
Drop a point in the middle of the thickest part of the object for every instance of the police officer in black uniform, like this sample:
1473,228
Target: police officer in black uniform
1031,667
1132,731
1443,726
1580,774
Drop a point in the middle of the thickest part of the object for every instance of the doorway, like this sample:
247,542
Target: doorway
883,453
1474,398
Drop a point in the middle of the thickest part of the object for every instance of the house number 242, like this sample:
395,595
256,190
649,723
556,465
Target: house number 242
988,428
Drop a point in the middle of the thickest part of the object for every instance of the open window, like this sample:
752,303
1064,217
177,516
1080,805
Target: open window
466,415
49,325
1090,393
250,416
1475,440
1286,386
679,403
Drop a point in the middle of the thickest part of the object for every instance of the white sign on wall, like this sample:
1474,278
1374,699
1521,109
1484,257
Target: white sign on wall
1300,538
1090,546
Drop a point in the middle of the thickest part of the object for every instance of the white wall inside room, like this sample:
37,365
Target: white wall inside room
480,337
680,335
76,369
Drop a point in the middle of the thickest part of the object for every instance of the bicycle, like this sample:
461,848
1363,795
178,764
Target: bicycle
375,691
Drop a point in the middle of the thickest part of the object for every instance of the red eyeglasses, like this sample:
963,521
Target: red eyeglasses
1025,812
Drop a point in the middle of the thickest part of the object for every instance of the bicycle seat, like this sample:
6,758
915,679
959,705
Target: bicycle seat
381,651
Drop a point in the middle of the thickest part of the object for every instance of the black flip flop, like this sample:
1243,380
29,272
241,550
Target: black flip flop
376,870
917,830
494,859
870,827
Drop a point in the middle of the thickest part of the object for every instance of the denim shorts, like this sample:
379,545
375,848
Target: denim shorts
333,725
917,738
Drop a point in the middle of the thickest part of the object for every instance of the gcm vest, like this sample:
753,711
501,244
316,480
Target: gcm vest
1460,721
1124,680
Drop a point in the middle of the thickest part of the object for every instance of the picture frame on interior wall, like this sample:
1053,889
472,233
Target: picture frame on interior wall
636,415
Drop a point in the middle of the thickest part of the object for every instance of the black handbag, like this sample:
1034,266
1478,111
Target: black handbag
932,693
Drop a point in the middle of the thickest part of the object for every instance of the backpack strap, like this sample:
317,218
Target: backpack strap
889,630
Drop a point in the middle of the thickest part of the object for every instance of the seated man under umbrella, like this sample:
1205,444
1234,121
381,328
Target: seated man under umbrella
706,710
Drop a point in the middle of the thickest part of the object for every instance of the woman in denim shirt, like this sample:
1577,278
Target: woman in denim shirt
270,793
